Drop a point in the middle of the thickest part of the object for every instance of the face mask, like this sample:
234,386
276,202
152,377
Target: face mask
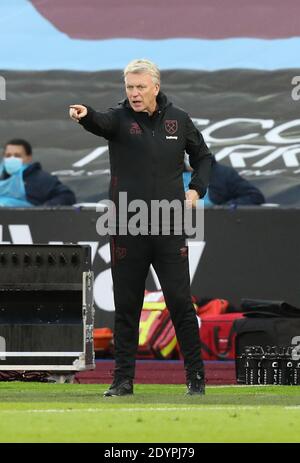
12,165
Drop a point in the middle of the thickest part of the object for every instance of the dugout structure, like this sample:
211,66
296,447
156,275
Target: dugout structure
46,308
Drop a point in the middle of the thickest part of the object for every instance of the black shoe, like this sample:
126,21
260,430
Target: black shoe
195,384
120,386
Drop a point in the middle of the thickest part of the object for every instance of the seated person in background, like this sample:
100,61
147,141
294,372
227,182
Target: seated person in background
226,186
23,183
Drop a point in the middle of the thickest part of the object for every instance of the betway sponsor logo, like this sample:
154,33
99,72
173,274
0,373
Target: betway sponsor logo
244,143
242,149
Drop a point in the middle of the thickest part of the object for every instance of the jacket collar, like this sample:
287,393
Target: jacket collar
31,168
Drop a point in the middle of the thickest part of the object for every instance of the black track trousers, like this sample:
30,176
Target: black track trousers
131,259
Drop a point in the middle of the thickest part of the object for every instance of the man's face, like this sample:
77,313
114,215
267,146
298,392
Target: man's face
18,151
141,92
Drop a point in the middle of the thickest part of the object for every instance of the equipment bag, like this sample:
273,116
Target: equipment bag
165,344
211,307
156,332
157,338
217,335
262,307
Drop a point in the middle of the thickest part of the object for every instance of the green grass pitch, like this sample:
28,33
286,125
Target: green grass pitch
38,412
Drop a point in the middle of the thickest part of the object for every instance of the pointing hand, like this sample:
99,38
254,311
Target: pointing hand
77,112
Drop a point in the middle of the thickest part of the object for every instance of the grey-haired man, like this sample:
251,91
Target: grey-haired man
148,138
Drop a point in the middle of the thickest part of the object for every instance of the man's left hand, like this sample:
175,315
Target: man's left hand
191,197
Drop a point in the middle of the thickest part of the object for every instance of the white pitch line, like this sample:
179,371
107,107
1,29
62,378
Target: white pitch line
140,409
197,408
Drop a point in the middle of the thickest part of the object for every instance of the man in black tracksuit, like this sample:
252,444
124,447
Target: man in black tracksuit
148,137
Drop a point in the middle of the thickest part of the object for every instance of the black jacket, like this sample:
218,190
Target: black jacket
147,152
44,189
226,186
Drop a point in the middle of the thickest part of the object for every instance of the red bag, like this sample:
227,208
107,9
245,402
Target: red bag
217,336
157,337
166,342
214,307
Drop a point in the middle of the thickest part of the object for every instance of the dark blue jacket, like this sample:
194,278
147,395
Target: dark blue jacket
44,189
226,186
